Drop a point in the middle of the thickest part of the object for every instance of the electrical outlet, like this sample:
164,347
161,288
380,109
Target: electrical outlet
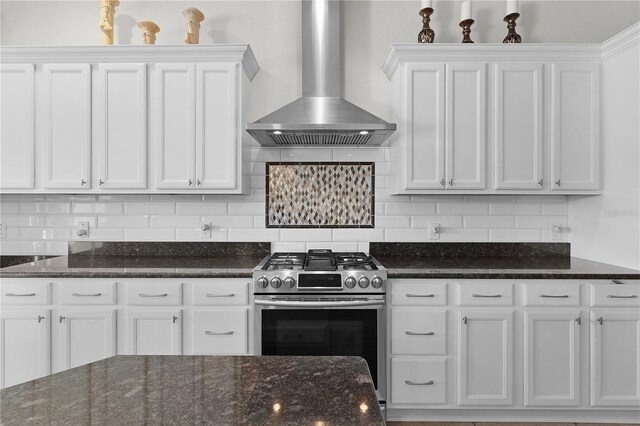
556,231
434,231
205,230
82,231
3,231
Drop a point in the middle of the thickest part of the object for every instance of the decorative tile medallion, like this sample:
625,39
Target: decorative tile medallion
320,195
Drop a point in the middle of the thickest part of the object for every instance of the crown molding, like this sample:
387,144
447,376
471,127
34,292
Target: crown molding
416,52
237,52
620,43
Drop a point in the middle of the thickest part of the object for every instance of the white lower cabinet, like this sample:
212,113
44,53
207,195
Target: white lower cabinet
85,336
219,332
485,357
25,345
552,358
418,381
615,358
154,332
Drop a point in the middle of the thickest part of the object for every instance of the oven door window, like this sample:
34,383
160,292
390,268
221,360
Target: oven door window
341,332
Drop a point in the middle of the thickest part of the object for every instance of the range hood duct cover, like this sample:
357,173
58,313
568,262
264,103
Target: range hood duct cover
320,117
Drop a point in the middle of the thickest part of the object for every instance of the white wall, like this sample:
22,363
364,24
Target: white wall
607,228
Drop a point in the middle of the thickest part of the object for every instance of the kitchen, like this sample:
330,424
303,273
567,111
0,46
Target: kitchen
601,224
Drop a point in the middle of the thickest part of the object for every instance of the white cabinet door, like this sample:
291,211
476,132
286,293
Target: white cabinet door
154,332
466,103
485,357
425,127
175,126
552,358
519,126
220,331
85,336
615,358
575,119
121,122
17,126
217,141
67,126
25,345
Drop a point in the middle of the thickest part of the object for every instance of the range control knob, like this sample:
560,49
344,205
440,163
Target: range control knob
350,282
276,282
289,282
262,282
376,282
363,282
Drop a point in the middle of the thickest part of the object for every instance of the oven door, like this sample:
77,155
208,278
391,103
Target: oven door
325,325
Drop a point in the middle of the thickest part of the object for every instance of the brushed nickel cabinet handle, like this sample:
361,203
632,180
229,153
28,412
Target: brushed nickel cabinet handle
579,321
600,320
465,320
218,333
190,182
410,383
220,295
558,182
86,294
40,318
19,294
153,295
442,182
615,296
100,182
541,182
83,182
413,333
556,296
174,319
451,182
420,295
485,295
61,318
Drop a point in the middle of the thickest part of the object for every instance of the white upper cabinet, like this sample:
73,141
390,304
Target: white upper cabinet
575,127
519,125
217,126
66,127
121,121
465,139
175,126
17,126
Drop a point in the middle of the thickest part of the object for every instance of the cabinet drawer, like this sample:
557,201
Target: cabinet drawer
421,293
227,293
223,331
418,381
418,332
25,293
88,294
486,294
154,294
550,294
615,295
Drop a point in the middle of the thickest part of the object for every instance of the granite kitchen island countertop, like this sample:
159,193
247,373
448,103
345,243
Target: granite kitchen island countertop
182,389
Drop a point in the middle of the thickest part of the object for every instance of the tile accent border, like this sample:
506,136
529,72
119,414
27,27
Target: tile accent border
320,195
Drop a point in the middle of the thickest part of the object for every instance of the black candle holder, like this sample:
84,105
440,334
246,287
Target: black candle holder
466,30
512,36
426,35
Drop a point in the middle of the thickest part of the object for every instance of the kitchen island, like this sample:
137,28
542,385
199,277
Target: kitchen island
218,390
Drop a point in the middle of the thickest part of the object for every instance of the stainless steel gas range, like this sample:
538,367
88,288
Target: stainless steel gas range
323,303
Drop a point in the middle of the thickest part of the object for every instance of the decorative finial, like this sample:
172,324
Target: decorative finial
194,16
149,30
107,14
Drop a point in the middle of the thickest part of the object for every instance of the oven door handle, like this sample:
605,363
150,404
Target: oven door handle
319,304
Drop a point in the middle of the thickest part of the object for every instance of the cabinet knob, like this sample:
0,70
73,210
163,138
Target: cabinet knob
558,182
541,182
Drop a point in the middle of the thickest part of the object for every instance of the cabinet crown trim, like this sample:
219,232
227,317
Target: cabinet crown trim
412,52
621,42
233,52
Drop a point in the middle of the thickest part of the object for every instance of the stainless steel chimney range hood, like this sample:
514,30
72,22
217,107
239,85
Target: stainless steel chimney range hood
320,117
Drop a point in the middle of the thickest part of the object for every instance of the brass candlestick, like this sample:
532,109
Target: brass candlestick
426,35
512,36
466,30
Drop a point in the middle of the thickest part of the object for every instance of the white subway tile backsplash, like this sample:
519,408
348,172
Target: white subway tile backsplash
539,222
204,208
11,234
489,198
357,154
71,197
9,207
489,222
251,208
173,221
231,221
541,199
175,197
305,154
555,209
437,198
123,221
500,209
358,234
164,207
260,154
44,208
254,234
305,234
106,234
149,234
464,235
334,246
519,235
62,234
98,208
382,221
408,235
22,197
463,209
287,247
123,197
196,235
444,221
69,221
25,220
415,208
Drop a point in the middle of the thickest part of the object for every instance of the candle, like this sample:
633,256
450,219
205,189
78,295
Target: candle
465,12
512,6
426,3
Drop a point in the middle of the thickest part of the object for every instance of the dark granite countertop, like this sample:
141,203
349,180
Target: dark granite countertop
216,390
